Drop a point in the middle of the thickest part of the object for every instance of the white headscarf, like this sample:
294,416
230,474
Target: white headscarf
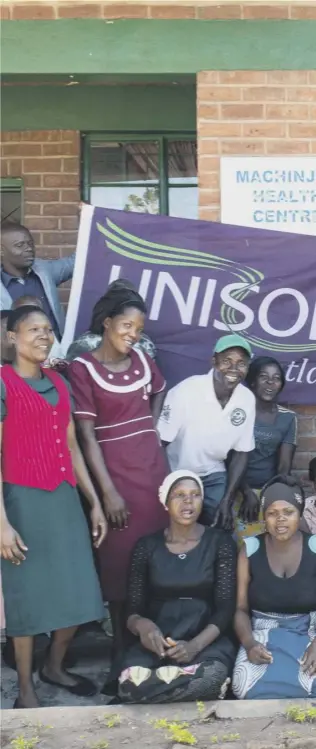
172,479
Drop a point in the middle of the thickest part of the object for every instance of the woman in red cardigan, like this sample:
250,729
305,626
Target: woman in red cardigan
48,574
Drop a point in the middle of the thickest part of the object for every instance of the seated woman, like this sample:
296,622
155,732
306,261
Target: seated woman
277,573
275,437
181,599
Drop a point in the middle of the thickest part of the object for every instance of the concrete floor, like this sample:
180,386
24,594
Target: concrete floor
57,725
91,649
224,725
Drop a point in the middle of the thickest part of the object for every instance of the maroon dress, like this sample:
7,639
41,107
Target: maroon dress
119,406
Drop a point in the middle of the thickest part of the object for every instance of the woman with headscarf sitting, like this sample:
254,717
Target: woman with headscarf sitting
181,602
277,573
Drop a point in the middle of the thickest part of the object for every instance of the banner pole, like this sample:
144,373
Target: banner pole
78,276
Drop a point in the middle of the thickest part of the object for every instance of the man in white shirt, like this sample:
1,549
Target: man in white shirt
206,417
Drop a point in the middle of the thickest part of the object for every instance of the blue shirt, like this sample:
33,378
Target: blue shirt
30,285
263,461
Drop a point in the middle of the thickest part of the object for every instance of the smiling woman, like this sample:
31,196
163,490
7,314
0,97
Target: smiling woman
42,518
275,434
118,393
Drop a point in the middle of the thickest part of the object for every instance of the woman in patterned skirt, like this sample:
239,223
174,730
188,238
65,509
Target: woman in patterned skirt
276,602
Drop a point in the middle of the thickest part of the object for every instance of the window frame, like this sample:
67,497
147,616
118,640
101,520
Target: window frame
162,138
14,185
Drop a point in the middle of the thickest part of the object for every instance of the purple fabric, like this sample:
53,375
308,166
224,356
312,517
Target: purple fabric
184,269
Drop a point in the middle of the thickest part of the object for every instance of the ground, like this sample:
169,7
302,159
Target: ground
141,727
91,650
66,722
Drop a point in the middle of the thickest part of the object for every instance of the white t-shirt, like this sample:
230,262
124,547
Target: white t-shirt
200,432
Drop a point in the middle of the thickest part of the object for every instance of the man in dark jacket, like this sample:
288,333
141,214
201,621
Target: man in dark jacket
22,274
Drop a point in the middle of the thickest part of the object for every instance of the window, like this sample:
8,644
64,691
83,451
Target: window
11,196
146,174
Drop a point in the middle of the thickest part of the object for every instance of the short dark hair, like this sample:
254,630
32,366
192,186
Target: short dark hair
312,470
256,367
33,301
17,316
10,226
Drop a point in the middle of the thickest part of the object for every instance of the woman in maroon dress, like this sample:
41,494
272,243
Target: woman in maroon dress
118,394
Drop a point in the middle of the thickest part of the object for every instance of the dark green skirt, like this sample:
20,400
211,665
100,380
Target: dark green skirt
57,585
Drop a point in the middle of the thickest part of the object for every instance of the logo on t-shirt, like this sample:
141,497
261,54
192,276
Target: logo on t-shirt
166,414
238,417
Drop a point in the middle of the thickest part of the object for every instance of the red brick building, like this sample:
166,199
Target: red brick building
169,87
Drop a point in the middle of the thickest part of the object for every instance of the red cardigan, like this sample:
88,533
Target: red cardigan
35,452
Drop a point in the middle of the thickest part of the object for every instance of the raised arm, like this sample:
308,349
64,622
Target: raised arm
62,269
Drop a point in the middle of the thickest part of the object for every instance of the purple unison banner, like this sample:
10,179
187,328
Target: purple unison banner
201,280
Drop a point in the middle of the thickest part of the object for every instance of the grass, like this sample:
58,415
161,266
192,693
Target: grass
225,738
301,715
39,726
112,721
100,745
200,708
22,743
177,732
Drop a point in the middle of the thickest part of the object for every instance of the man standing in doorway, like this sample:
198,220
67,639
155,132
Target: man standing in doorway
208,417
23,275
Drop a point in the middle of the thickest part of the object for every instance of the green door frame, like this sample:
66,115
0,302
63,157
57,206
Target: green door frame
161,138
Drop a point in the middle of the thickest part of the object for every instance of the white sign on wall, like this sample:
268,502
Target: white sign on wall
269,192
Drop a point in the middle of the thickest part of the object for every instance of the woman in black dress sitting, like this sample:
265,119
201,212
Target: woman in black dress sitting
181,602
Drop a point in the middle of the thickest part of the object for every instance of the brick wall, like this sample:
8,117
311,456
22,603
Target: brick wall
255,112
196,9
251,112
48,162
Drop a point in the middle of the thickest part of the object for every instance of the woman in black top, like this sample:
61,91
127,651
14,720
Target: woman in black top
276,603
181,601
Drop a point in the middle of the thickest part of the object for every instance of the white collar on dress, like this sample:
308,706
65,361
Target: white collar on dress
128,388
